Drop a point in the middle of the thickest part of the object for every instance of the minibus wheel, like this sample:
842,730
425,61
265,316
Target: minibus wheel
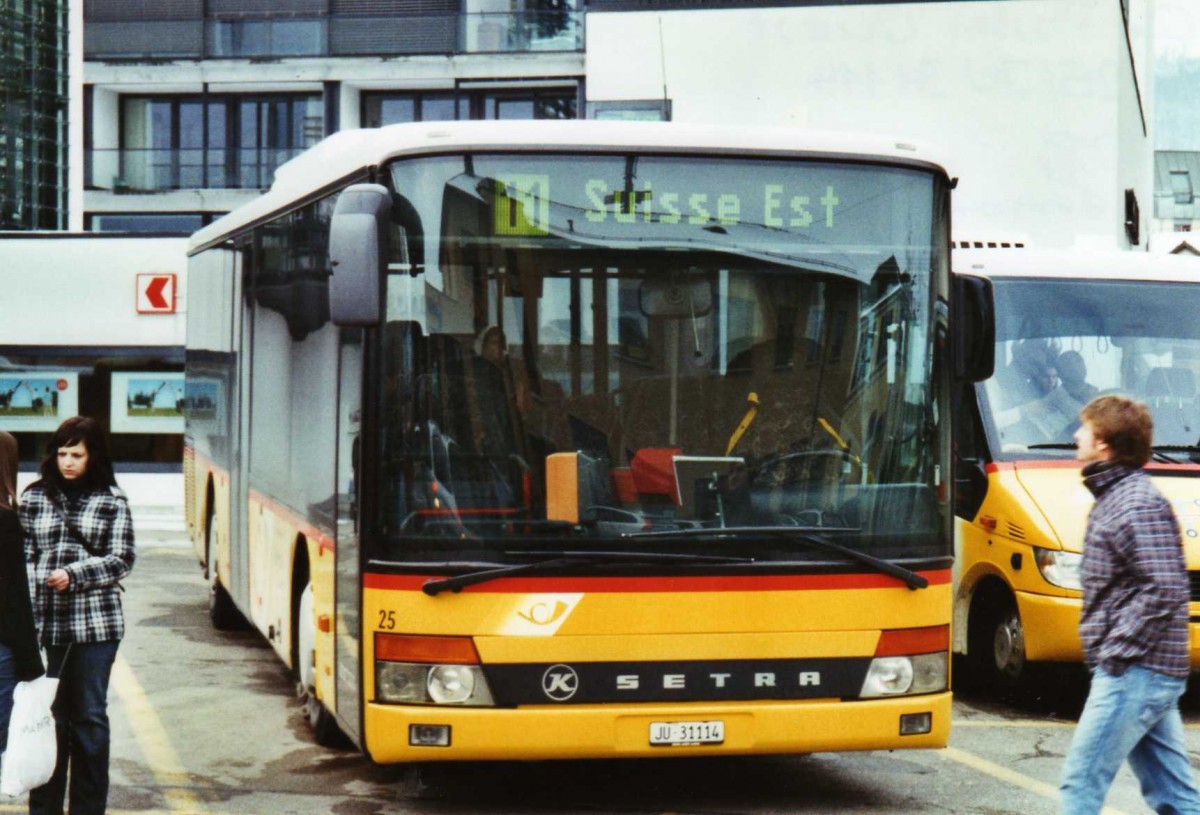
997,645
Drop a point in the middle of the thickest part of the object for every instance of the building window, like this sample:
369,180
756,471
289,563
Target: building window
632,110
389,108
207,142
156,223
270,37
1181,186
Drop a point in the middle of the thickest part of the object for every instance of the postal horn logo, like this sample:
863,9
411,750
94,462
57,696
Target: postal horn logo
560,682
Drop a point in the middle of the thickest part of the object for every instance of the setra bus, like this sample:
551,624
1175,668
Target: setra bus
1070,325
577,439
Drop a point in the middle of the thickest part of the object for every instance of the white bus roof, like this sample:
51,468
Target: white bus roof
346,152
1075,263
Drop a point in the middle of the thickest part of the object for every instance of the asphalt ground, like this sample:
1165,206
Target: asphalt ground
208,723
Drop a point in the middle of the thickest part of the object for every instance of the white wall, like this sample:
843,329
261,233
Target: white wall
1028,98
81,290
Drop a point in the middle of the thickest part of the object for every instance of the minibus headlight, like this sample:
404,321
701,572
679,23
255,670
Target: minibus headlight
1059,568
899,675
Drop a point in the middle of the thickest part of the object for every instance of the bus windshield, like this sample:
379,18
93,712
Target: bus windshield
582,349
1062,342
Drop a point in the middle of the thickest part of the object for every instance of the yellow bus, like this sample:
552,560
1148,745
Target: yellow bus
1070,325
587,439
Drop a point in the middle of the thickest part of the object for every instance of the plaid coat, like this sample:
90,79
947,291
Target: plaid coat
1135,583
90,609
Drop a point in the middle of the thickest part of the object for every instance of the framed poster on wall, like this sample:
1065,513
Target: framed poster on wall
147,402
37,401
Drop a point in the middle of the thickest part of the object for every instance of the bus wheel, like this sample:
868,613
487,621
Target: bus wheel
222,613
325,728
998,643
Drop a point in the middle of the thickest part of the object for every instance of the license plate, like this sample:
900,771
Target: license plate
672,734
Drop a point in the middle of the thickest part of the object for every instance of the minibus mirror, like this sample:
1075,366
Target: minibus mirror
973,321
358,238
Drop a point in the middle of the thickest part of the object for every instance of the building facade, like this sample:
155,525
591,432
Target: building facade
33,114
168,113
190,105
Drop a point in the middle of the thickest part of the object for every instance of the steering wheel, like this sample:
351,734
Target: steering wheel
762,468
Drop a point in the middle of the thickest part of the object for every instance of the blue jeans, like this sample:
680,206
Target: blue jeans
81,718
8,682
1134,716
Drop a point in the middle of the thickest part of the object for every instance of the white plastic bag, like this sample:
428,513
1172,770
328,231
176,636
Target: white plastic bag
32,750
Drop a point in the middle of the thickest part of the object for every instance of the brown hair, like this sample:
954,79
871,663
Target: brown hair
8,470
1124,424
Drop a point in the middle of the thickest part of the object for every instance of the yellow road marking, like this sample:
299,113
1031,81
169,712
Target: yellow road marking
1011,723
1008,776
24,808
154,742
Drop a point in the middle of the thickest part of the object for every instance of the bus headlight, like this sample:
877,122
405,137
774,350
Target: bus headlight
1059,568
424,670
413,684
899,675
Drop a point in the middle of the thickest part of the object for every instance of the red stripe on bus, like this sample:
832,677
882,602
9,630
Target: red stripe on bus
1052,464
309,531
1061,464
766,582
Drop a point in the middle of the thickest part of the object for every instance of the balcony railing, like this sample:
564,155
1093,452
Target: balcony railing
279,37
155,170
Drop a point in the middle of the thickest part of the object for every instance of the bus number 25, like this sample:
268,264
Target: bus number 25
387,620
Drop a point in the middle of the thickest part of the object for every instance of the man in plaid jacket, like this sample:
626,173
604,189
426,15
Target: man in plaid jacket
1134,625
79,542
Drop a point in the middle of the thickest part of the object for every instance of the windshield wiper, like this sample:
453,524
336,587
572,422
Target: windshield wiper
1057,445
1158,452
812,536
567,559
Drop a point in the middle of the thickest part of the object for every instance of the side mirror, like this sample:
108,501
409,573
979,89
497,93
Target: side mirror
358,254
973,327
675,299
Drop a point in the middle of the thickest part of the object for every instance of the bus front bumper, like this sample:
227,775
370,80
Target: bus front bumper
622,731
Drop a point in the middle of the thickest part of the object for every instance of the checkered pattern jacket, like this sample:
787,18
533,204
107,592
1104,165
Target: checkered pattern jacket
1135,582
90,609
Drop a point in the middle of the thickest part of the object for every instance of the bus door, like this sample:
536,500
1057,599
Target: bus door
243,329
348,588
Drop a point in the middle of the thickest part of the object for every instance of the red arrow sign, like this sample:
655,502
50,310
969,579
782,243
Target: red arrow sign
156,294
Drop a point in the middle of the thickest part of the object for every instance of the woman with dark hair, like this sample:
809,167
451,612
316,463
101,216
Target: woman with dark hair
79,543
19,657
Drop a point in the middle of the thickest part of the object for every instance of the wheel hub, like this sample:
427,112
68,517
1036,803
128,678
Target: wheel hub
1009,646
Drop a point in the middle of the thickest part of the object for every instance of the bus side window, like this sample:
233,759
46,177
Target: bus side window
970,454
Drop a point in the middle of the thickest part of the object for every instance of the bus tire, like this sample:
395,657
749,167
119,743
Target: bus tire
997,642
222,612
324,726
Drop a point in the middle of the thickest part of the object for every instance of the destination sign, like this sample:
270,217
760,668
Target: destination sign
522,205
850,216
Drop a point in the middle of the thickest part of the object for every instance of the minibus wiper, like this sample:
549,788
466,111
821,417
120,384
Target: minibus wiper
1160,455
568,559
811,536
1058,445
